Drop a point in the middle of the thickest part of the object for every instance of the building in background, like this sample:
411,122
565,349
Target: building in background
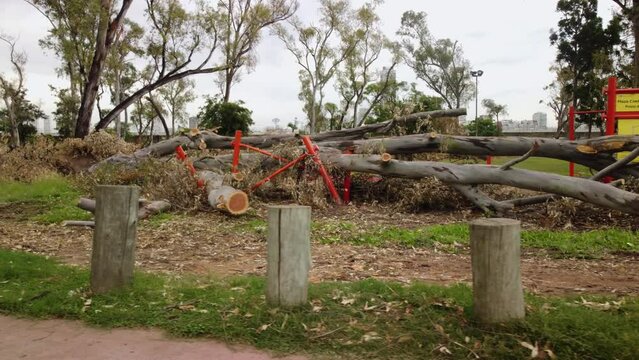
193,122
541,118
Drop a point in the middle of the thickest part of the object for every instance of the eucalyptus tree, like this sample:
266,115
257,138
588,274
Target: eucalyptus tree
360,67
12,90
120,72
494,109
440,63
585,46
319,50
175,39
240,30
630,11
559,98
176,95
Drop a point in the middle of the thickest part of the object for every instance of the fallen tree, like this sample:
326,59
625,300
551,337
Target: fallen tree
146,208
471,175
210,140
463,178
596,153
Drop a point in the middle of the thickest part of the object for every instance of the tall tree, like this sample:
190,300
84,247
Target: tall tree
12,90
176,95
439,63
71,36
494,109
318,50
226,117
174,38
107,28
630,10
120,71
558,96
241,24
358,70
585,47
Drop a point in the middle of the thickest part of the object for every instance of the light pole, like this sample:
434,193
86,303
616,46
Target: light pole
476,74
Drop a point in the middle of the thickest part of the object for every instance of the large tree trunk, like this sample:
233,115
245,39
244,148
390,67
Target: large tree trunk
578,188
107,30
463,178
596,153
108,118
214,141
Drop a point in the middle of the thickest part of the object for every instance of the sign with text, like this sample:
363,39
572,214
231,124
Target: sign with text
627,102
627,127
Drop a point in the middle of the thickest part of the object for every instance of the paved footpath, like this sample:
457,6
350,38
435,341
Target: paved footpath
65,340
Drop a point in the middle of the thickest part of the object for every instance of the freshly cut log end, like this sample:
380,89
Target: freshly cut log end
229,199
238,176
386,157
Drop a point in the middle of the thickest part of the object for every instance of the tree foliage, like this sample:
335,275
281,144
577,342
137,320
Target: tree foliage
13,92
360,68
240,28
483,126
226,117
585,48
494,109
440,63
318,49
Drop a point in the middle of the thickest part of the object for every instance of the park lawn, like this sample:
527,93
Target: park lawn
365,319
455,237
49,200
544,164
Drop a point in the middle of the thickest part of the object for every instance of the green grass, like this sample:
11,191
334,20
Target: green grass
366,319
453,237
49,200
545,165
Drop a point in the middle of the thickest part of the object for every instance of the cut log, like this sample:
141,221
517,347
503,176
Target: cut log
223,197
145,208
464,179
78,223
215,141
578,188
599,152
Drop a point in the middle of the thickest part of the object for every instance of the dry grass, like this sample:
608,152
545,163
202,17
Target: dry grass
45,156
157,179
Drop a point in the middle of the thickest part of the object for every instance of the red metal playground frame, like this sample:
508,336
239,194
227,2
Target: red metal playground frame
610,116
311,151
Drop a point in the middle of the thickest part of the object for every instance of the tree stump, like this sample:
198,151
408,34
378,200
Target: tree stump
116,215
495,249
289,255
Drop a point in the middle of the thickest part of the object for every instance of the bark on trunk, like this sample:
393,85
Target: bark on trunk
214,141
146,208
106,120
107,30
596,153
578,188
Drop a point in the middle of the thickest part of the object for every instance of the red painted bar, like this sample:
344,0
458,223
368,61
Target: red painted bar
236,151
279,171
264,152
611,106
327,179
571,135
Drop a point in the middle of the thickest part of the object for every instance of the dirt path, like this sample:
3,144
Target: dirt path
63,339
213,243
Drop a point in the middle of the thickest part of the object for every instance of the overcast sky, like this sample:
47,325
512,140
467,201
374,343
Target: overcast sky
507,39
